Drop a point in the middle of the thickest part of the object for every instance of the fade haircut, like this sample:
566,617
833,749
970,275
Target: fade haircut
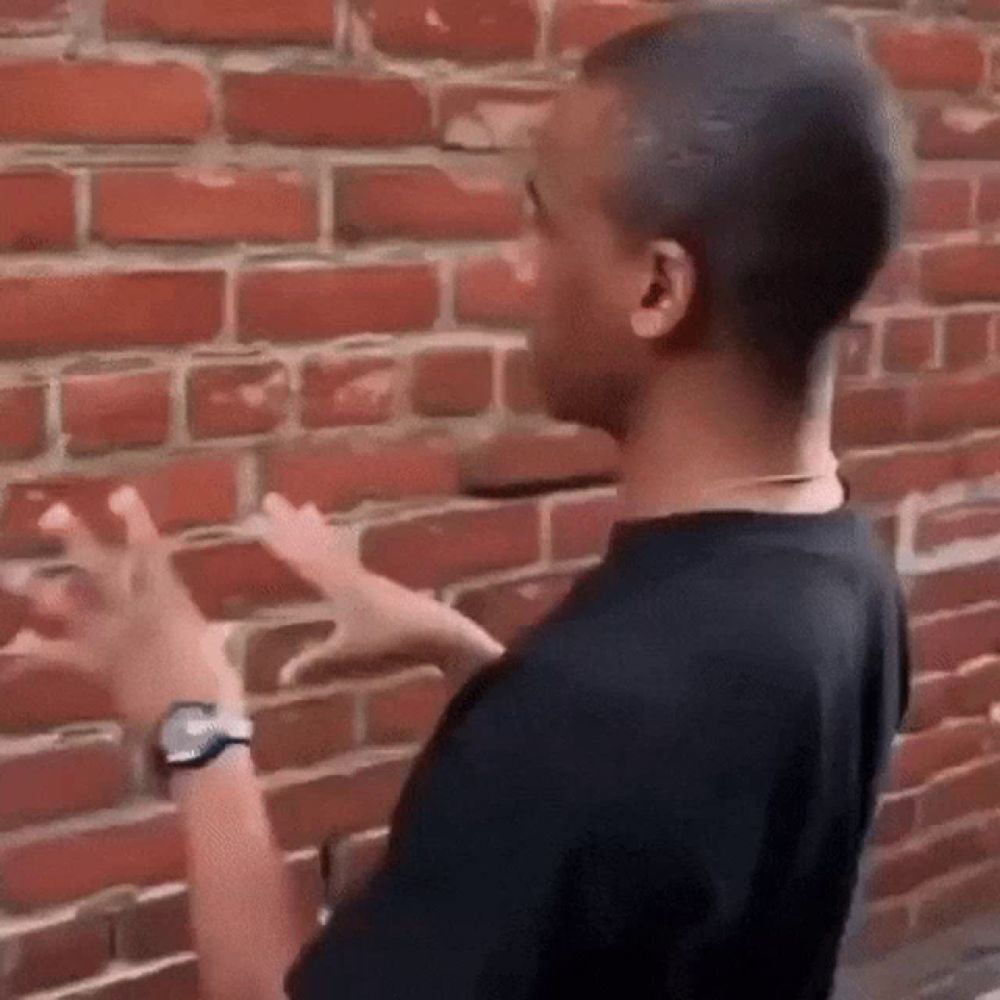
760,139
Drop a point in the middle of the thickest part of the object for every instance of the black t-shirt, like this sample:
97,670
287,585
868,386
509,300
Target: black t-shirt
662,791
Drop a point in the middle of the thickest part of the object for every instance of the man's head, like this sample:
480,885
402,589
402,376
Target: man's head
724,181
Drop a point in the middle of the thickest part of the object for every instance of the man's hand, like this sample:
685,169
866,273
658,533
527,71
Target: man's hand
374,616
128,619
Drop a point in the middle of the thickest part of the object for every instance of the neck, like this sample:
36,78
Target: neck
701,439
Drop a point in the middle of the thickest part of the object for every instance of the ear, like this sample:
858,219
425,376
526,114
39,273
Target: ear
669,293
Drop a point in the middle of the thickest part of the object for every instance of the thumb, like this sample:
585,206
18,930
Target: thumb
336,647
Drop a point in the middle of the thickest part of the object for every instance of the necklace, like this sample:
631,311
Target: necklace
781,479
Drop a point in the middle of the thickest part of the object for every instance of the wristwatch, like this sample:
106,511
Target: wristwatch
193,733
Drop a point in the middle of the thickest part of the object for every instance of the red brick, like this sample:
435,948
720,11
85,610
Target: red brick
894,819
62,867
507,610
102,102
969,790
408,710
299,733
966,340
869,416
490,293
856,343
338,391
954,587
988,205
906,869
48,694
516,461
237,399
36,211
520,383
920,756
937,59
895,279
15,613
188,491
959,272
207,205
976,687
580,527
230,579
264,21
319,303
492,117
952,404
462,30
58,954
452,383
909,344
53,313
325,109
943,643
40,786
957,133
950,903
579,25
892,477
940,204
423,203
884,928
355,861
340,476
306,812
987,10
980,458
22,431
932,699
270,648
31,17
154,927
440,549
179,979
112,409
972,521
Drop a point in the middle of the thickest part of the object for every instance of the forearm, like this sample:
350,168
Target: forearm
246,923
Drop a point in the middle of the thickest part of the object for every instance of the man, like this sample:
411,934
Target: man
662,791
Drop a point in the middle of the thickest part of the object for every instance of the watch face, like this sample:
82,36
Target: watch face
190,733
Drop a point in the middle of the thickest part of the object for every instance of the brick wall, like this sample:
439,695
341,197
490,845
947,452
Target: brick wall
263,245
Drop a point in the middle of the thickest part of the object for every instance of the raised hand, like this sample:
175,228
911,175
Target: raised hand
128,619
374,616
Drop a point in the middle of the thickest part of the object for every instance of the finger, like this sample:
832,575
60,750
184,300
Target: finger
82,548
140,529
333,648
311,513
277,507
32,645
145,560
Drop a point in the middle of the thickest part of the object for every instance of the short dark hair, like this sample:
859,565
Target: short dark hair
763,141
